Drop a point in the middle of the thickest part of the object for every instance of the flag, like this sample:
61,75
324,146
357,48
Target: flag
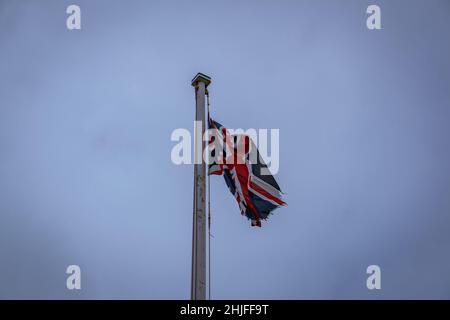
237,158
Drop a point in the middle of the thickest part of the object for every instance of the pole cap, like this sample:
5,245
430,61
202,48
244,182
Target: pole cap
200,77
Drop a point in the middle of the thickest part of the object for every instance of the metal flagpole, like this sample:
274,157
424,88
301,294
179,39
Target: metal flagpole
198,276
209,207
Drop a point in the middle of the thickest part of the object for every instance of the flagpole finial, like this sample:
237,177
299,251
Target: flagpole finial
201,77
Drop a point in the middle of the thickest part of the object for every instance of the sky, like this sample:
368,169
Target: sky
86,176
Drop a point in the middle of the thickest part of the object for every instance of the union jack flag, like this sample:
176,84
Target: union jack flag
246,175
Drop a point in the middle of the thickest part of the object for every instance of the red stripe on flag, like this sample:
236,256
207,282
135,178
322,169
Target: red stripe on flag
266,194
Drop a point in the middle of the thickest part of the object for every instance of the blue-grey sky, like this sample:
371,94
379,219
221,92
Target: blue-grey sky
85,123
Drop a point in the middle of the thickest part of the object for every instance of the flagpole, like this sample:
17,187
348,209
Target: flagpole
198,276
